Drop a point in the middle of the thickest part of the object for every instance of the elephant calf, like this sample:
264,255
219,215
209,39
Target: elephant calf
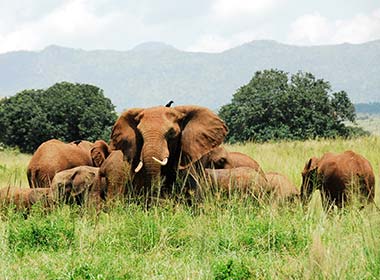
244,179
25,198
79,184
117,174
53,156
338,176
220,158
281,185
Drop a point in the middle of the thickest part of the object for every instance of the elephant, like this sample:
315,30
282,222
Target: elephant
25,198
79,185
53,156
220,158
281,185
117,174
338,177
243,179
160,141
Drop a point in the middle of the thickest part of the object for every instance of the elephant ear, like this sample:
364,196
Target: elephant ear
310,165
124,133
202,131
99,152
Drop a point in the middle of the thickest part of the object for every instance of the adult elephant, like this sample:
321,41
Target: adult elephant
53,156
159,140
338,177
220,158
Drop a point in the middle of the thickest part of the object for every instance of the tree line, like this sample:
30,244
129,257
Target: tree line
273,105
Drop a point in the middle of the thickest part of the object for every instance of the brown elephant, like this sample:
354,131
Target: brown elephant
243,179
53,156
117,174
338,176
25,198
160,140
79,185
281,185
220,158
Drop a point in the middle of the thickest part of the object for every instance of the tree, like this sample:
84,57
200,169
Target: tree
271,106
64,111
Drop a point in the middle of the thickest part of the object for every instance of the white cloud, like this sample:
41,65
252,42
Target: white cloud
228,9
71,20
314,29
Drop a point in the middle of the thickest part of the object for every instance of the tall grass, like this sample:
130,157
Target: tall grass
217,239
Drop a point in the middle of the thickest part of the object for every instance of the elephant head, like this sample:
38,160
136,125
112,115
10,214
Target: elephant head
158,140
217,158
99,152
73,184
309,178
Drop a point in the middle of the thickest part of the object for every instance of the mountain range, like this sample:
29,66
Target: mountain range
154,73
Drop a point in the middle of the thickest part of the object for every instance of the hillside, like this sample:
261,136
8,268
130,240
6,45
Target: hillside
153,73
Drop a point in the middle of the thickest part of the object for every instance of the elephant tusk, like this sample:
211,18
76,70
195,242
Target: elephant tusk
164,162
138,168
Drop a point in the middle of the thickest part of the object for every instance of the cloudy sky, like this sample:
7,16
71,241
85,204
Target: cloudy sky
194,25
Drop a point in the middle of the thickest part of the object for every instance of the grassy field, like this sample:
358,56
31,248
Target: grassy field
217,239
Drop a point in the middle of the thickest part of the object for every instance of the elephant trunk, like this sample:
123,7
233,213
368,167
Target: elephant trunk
306,189
154,155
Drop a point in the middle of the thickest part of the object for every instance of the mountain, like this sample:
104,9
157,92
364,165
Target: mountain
153,73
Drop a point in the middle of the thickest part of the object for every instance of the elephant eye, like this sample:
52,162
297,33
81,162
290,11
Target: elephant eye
171,133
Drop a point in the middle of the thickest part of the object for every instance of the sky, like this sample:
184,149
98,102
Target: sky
194,25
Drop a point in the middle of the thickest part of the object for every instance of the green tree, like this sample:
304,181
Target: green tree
272,106
64,111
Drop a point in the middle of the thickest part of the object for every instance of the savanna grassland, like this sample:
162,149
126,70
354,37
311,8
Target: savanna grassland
219,238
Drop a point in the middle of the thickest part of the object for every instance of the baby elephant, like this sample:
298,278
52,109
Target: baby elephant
243,179
117,174
78,185
338,176
281,185
25,198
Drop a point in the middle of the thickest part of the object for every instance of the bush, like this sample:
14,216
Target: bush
273,107
40,233
64,111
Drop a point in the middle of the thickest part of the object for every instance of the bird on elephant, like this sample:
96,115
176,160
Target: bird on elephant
25,198
338,177
281,185
161,140
220,158
241,179
53,156
79,185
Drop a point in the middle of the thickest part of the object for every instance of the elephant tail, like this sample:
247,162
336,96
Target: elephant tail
30,176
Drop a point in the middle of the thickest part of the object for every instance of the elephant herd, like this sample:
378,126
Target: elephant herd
155,146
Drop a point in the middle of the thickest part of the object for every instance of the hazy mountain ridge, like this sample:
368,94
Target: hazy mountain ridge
153,73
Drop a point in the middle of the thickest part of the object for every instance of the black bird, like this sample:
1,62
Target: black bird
169,104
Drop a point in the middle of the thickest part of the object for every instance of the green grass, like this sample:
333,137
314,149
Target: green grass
218,239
